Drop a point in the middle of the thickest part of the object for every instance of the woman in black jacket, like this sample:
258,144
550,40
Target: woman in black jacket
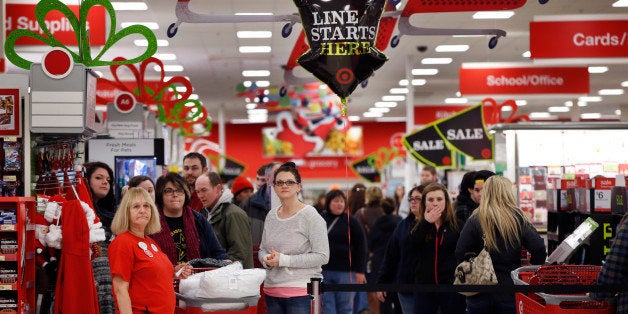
434,236
507,230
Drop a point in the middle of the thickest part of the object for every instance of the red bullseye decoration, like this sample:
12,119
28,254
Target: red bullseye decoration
124,102
57,63
345,76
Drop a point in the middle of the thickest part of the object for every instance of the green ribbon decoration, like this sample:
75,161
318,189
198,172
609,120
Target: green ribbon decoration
84,55
184,117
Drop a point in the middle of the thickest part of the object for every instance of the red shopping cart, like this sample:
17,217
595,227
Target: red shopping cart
192,305
544,303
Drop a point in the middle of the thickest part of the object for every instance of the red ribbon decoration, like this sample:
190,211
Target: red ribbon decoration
493,112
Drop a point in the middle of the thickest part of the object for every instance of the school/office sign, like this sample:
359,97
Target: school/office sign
508,80
22,16
587,36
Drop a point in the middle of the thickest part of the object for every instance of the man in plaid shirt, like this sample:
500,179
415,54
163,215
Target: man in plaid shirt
615,269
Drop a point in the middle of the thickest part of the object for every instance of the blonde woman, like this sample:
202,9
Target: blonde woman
139,269
506,230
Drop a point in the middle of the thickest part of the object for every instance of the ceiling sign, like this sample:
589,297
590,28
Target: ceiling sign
606,37
428,114
478,79
466,133
428,147
22,16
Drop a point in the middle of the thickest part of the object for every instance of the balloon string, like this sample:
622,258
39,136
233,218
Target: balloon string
344,105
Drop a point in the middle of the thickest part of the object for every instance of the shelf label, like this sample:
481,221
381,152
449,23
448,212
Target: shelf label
602,200
6,287
7,227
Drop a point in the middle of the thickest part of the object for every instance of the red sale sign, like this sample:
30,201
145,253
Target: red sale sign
524,80
579,39
22,16
428,114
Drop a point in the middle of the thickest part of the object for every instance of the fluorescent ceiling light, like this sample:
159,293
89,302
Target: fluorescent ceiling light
385,104
526,54
250,106
506,108
255,73
558,109
590,98
254,34
354,118
590,116
424,71
455,100
569,103
150,25
253,13
129,6
451,48
193,96
379,109
254,49
415,82
169,68
398,90
436,60
393,98
371,114
540,115
618,112
486,15
624,84
165,56
258,119
600,69
391,119
144,42
620,4
582,103
613,92
263,84
521,102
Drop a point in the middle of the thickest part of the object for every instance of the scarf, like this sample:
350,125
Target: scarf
164,238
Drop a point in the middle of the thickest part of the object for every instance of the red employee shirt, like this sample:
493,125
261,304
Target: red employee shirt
140,262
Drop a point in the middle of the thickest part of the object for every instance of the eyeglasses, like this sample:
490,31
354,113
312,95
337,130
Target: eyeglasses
287,183
414,199
170,191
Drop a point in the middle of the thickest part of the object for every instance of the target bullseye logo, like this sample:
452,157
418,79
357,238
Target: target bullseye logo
124,102
344,76
57,63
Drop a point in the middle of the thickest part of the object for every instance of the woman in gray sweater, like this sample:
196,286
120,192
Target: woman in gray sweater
294,246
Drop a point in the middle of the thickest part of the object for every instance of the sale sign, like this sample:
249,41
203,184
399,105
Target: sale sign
478,80
428,147
602,37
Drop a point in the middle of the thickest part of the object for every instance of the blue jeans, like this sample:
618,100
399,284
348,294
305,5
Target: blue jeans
294,305
407,302
484,303
337,302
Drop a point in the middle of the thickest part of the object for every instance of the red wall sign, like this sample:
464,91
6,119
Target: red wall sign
524,80
428,114
22,16
579,39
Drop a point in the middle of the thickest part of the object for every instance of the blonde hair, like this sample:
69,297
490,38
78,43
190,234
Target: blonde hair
374,196
120,223
449,216
498,213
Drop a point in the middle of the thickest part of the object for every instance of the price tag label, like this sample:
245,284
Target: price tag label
2,258
6,287
602,200
7,227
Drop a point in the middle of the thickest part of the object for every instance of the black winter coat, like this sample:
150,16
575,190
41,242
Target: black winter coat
435,248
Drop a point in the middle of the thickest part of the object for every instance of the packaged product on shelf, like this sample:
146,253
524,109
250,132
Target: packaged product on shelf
8,245
8,305
12,155
8,275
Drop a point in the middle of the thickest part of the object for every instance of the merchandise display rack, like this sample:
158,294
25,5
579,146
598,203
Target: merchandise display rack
17,255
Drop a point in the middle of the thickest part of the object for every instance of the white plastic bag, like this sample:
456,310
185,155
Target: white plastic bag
231,282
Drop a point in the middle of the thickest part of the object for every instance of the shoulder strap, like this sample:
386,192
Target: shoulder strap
333,223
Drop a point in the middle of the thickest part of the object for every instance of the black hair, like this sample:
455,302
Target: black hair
177,181
137,180
198,156
288,167
331,195
388,205
109,201
261,171
468,181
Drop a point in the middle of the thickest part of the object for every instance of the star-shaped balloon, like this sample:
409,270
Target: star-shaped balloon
341,35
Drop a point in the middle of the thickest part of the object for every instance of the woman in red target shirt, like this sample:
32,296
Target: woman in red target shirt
141,273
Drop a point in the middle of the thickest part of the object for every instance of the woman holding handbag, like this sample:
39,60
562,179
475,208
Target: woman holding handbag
506,230
434,237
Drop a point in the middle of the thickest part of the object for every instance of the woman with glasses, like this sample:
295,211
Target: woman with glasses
400,260
434,237
99,177
185,234
294,246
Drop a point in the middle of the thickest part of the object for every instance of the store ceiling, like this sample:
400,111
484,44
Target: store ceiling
210,58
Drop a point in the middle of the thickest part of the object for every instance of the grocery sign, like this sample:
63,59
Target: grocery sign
495,80
587,36
22,16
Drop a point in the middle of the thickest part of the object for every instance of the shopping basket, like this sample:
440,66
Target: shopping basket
192,305
544,303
